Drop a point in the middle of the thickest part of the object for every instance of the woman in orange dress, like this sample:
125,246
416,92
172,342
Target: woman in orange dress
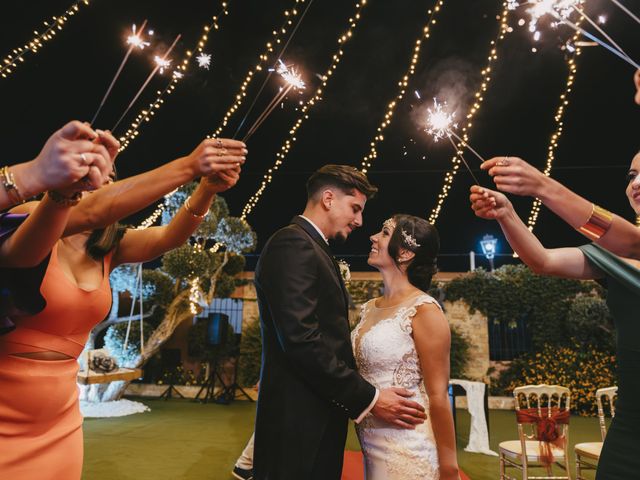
40,420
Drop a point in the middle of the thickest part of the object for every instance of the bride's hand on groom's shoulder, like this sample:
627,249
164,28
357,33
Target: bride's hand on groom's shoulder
394,406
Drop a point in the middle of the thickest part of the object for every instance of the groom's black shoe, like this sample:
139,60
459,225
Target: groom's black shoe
242,474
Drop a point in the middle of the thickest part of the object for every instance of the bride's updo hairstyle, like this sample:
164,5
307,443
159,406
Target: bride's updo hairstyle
420,237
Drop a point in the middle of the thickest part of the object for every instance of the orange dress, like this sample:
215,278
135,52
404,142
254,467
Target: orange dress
40,420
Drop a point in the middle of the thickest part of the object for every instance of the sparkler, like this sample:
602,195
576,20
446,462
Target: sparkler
626,10
290,75
161,63
561,10
293,80
204,60
601,30
134,40
599,41
271,70
440,124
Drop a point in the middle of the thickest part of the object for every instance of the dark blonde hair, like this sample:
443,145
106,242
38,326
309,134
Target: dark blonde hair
103,240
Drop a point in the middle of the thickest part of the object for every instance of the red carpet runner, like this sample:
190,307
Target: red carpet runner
354,470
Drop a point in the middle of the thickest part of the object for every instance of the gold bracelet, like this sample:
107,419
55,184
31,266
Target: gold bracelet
60,199
9,184
598,224
187,207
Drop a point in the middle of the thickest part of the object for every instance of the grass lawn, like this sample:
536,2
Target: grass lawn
180,439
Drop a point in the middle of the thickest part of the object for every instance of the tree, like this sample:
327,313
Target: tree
189,278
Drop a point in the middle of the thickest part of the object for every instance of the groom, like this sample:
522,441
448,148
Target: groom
309,387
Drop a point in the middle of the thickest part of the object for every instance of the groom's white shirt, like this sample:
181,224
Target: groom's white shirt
375,397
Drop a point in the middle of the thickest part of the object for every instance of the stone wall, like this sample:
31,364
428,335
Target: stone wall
474,328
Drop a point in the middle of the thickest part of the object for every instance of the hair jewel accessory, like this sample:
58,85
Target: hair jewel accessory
409,239
390,223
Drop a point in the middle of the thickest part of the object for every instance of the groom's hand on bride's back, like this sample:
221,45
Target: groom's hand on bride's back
394,406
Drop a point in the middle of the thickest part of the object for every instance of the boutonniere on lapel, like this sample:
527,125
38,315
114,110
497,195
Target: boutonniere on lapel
345,273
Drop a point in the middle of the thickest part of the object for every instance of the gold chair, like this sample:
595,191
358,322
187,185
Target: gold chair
544,406
588,453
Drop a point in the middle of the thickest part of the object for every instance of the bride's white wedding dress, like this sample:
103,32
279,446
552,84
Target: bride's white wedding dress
386,357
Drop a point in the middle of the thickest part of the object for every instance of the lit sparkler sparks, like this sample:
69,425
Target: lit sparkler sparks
439,122
133,40
555,8
162,63
136,40
290,75
204,60
293,80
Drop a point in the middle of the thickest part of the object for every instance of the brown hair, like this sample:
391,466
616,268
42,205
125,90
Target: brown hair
343,177
424,265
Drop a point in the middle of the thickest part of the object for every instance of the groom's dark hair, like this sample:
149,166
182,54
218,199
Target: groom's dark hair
343,177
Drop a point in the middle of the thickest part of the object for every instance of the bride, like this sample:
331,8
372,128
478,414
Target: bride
403,340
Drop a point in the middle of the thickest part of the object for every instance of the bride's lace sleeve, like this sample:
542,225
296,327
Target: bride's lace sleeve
410,312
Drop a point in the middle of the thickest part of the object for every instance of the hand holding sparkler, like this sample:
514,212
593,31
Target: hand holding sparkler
489,204
223,180
215,155
514,175
70,155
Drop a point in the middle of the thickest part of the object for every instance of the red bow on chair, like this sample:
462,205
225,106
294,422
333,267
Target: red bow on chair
547,431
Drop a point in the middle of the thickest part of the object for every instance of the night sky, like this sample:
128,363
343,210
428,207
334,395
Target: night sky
67,78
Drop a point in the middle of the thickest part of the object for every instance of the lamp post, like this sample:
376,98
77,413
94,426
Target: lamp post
489,245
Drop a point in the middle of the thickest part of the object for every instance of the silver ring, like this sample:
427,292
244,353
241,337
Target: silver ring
84,158
504,163
218,142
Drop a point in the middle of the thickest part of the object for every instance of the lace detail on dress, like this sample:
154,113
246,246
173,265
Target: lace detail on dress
386,357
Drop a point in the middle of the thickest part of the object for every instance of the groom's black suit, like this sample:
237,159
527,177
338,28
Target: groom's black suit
308,384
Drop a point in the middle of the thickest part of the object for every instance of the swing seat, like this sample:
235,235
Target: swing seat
119,374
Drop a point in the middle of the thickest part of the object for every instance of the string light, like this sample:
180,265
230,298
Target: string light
196,295
403,83
276,39
304,111
146,114
478,100
53,26
558,117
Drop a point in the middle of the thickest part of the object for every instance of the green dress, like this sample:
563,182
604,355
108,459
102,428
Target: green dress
620,458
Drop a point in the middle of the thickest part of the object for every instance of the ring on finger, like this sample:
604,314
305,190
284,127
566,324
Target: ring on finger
504,163
84,158
218,142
